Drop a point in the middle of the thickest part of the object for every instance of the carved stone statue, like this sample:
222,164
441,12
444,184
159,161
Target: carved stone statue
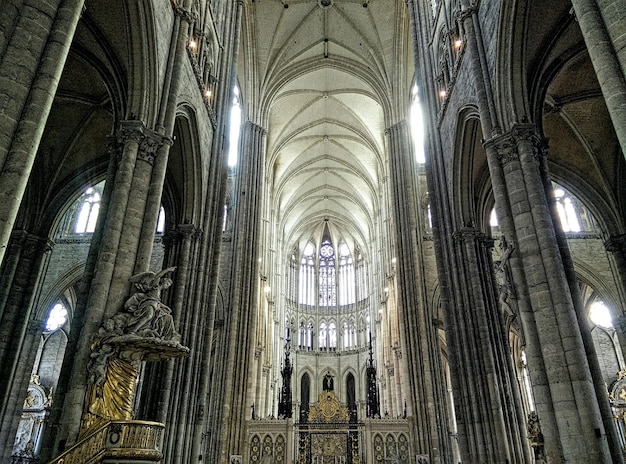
506,291
535,437
150,317
143,330
327,384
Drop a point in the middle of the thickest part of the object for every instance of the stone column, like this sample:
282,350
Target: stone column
36,39
421,352
489,410
240,316
616,245
563,387
30,253
606,412
602,26
108,285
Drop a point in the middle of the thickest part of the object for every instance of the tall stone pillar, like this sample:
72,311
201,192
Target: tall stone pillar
36,39
421,352
29,252
491,425
563,388
616,245
602,29
108,286
238,354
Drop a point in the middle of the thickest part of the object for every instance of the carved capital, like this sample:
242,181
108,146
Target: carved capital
30,244
189,231
616,244
149,147
186,15
34,327
468,234
148,141
506,145
462,14
130,131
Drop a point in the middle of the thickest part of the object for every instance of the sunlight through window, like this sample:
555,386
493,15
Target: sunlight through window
57,317
235,127
417,127
600,314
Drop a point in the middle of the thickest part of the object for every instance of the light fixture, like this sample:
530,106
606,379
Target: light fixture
443,93
386,289
193,44
207,93
393,260
458,43
267,289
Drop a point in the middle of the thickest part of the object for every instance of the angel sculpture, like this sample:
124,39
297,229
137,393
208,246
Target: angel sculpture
148,316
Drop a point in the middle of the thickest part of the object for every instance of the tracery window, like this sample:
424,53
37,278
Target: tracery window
327,272
56,318
417,126
87,213
328,336
600,314
349,335
346,276
323,336
567,211
235,128
306,277
161,221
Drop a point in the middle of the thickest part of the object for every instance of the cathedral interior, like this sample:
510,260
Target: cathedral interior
312,231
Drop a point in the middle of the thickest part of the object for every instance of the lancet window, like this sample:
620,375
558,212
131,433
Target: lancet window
88,209
327,275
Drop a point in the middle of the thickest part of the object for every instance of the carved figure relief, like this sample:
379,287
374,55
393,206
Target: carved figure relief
34,413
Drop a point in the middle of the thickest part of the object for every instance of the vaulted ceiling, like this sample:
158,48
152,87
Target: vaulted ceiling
324,68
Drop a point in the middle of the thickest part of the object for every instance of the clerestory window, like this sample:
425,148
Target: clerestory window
57,317
88,209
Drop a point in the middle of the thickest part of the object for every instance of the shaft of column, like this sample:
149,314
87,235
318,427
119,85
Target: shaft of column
40,54
605,62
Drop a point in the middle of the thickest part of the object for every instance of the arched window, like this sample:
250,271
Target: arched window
89,207
306,278
347,283
493,219
309,332
327,285
526,381
161,221
417,126
332,336
327,276
323,336
351,393
57,317
305,389
302,338
349,335
235,128
567,211
600,315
